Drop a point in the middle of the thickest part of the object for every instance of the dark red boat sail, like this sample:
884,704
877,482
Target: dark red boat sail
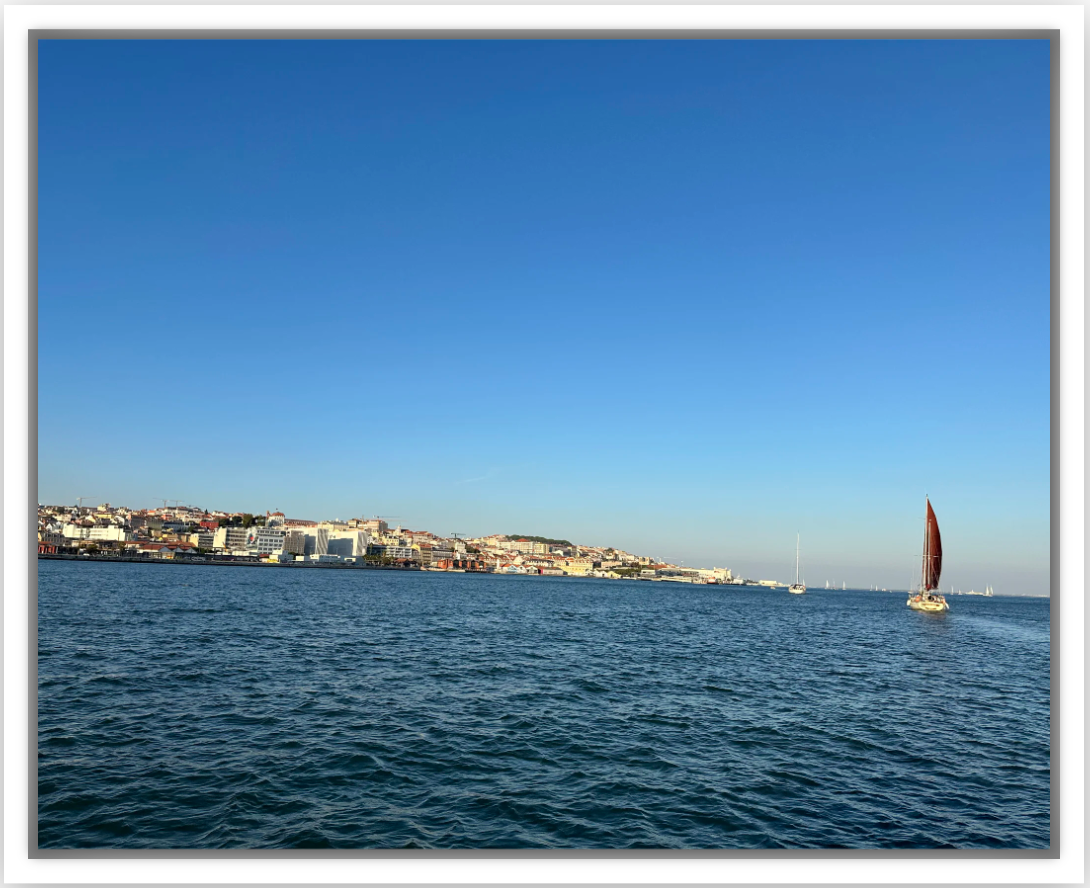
932,551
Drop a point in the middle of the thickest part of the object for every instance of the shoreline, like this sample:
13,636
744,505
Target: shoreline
302,565
221,562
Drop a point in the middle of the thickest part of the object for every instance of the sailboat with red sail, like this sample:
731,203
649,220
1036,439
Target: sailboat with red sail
926,598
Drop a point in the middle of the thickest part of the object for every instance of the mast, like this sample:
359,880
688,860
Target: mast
796,559
926,546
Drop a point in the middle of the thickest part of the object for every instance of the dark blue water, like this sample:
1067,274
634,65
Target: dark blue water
207,707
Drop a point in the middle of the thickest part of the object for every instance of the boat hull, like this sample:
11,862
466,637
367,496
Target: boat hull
934,604
796,589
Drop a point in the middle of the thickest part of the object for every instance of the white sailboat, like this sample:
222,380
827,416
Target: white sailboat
798,587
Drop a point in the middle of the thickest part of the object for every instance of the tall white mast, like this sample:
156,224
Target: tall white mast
926,546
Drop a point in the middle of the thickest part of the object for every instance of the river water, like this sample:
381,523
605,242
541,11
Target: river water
256,707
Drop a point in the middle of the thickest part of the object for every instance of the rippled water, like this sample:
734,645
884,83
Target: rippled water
206,707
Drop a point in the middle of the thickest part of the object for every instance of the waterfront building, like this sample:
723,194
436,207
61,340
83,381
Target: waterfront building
316,541
203,539
538,562
232,538
265,539
348,543
51,538
398,553
110,532
165,550
579,566
295,542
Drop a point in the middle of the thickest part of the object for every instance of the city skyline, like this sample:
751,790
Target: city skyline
751,567
710,294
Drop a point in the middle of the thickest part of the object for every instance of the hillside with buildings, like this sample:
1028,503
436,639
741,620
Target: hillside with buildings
185,532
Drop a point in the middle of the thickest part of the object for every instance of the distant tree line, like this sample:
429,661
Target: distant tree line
243,520
537,539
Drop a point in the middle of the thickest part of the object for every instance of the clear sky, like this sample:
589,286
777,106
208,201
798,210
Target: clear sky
686,298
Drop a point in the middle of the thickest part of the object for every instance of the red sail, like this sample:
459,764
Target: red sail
933,567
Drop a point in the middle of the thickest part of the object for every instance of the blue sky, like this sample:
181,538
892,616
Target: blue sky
683,297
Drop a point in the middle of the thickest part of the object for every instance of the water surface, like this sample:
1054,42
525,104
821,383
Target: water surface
209,707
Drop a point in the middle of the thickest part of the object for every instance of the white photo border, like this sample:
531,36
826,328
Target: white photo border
1068,868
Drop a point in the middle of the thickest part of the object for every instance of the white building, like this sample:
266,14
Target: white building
316,541
231,538
348,543
400,553
265,539
112,532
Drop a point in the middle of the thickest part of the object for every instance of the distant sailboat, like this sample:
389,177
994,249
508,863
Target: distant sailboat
925,599
826,584
798,587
